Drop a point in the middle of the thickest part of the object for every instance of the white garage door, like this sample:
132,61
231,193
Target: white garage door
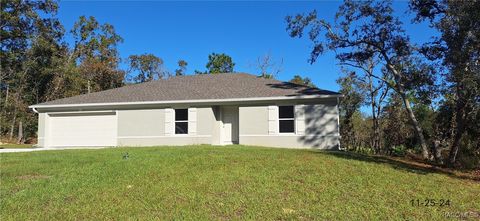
99,129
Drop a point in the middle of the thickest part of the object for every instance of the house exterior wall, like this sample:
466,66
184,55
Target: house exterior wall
253,120
141,123
205,121
42,121
319,119
147,127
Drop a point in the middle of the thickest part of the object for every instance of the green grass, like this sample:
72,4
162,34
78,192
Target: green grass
15,146
236,182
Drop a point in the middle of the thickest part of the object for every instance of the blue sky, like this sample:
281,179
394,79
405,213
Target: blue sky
243,30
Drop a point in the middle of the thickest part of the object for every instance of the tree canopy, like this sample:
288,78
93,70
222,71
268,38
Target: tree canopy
363,31
95,50
297,79
182,68
458,51
220,63
147,67
38,65
437,83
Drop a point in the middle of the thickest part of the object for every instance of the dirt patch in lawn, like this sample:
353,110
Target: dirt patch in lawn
32,177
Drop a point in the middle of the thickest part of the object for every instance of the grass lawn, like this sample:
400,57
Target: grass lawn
235,182
15,146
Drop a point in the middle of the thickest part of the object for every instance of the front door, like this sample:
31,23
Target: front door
230,125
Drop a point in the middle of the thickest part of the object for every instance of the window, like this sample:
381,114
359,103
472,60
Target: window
181,121
286,117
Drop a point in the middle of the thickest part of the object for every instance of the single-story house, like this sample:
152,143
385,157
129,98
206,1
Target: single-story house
215,109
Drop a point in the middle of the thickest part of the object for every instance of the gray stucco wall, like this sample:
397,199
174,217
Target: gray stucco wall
321,119
141,123
205,121
147,128
253,120
321,127
41,129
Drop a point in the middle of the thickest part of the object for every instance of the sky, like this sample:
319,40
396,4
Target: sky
244,30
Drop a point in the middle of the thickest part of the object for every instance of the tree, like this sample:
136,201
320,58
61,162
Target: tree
30,46
375,91
268,67
200,72
95,50
349,105
182,67
219,63
297,79
147,67
458,49
365,30
395,127
37,65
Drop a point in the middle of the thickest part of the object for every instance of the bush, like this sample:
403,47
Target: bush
363,150
399,150
468,159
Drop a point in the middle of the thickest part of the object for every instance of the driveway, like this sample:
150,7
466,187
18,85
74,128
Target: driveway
17,150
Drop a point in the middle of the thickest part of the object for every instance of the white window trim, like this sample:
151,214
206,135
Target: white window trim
280,119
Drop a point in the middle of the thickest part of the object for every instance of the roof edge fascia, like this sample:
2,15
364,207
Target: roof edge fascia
199,101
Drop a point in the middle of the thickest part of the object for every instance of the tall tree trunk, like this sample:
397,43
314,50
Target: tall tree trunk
437,152
2,107
376,132
88,86
416,126
20,133
459,129
6,95
36,95
3,113
383,95
1,123
12,126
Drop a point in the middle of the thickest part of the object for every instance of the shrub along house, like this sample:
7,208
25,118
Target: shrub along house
213,109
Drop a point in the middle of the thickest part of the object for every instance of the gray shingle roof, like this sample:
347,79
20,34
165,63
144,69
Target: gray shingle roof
195,87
